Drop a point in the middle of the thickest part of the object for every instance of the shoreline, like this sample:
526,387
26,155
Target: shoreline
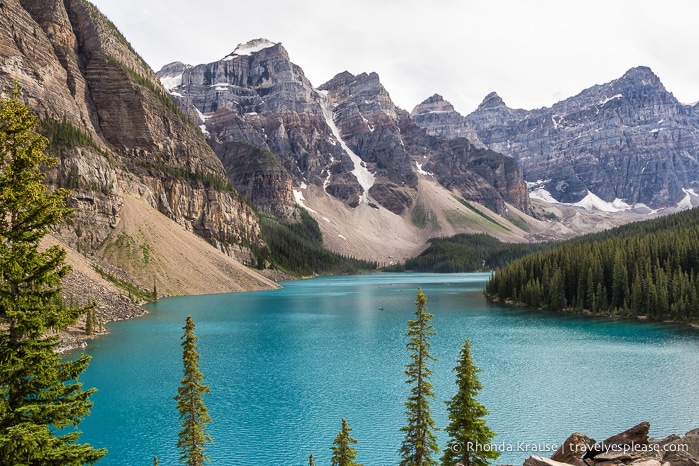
114,306
588,313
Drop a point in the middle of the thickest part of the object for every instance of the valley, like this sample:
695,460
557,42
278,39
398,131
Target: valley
172,172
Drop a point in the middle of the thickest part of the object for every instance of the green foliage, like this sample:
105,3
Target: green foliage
647,268
208,179
136,294
482,214
249,158
297,248
41,401
421,217
469,435
420,442
343,451
62,134
469,253
90,322
194,415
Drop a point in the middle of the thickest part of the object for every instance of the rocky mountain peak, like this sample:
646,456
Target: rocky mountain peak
251,47
175,67
433,104
439,118
640,76
492,100
627,140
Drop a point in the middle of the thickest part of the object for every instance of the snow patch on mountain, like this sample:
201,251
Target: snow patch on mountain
421,171
249,48
594,202
542,195
364,177
300,200
171,82
686,202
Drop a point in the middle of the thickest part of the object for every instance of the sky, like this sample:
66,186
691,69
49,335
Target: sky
533,53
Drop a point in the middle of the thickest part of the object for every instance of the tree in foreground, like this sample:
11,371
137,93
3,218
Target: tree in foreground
194,415
343,451
470,438
41,400
420,442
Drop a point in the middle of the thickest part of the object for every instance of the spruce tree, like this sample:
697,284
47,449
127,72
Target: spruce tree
420,442
343,451
194,415
469,436
41,400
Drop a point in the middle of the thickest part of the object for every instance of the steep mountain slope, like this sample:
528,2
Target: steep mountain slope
343,150
628,140
118,135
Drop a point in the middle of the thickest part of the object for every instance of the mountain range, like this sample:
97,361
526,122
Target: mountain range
628,142
205,151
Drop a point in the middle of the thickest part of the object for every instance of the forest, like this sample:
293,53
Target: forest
468,253
297,249
646,269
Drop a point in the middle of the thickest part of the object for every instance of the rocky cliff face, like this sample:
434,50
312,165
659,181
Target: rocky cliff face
629,139
81,76
256,97
439,118
344,137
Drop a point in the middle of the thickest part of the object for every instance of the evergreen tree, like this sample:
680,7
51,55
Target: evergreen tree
41,400
420,441
194,415
343,451
90,321
470,437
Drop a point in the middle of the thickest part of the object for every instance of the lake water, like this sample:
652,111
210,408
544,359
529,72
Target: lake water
284,367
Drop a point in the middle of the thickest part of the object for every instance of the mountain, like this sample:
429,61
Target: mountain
130,157
342,150
439,118
620,144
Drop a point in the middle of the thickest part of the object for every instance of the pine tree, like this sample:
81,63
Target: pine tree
90,321
194,415
41,400
420,441
470,437
343,451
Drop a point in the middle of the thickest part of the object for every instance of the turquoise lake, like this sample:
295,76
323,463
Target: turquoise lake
285,366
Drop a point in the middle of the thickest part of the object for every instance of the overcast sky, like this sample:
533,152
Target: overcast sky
533,53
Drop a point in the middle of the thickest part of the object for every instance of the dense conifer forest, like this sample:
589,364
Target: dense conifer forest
647,268
297,249
468,253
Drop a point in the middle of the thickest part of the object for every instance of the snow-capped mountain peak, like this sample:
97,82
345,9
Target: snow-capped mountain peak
250,47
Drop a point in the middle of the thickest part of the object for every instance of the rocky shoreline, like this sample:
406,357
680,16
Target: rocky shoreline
632,447
588,313
112,305
81,287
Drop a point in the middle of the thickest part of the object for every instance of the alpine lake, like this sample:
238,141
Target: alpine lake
285,366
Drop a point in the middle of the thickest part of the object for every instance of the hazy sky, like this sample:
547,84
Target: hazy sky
533,53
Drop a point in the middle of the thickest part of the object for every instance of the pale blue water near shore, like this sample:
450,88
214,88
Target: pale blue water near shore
284,367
